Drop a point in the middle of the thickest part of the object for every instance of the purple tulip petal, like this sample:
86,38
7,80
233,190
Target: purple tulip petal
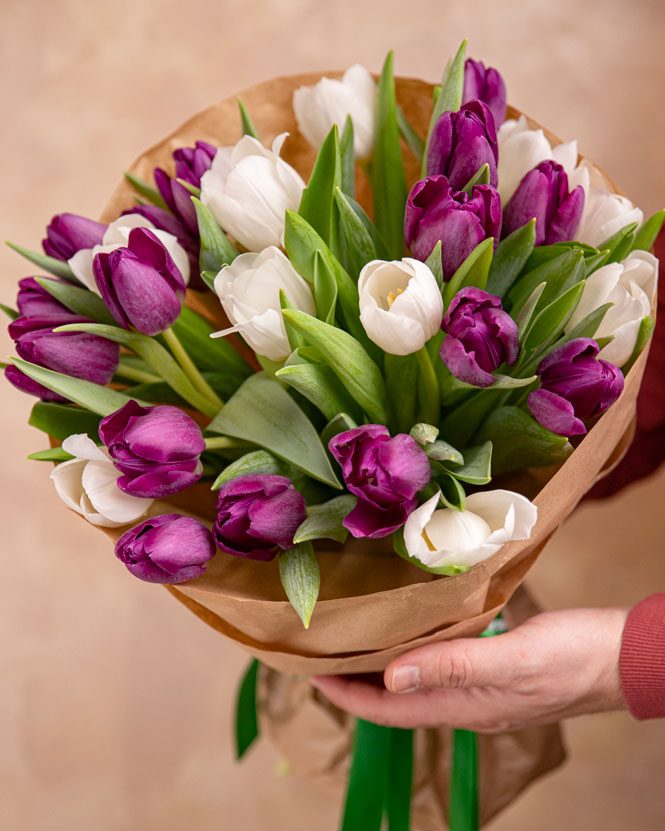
555,413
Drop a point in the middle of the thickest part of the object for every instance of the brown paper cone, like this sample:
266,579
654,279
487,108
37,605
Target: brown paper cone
373,605
315,737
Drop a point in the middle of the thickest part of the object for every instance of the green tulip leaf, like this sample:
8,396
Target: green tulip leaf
558,274
473,271
357,239
435,264
644,333
325,521
147,191
349,361
477,466
348,158
251,464
78,300
318,384
415,144
620,244
248,128
316,204
553,318
53,454
388,177
449,97
301,579
401,374
647,233
510,257
425,434
62,420
441,451
263,412
213,354
51,264
12,314
480,177
216,248
340,424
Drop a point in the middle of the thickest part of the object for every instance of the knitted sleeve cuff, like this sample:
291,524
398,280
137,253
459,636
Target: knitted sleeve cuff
642,659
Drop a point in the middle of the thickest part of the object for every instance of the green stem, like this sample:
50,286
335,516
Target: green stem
139,375
430,388
189,368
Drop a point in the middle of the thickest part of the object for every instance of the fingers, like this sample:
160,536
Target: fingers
459,664
376,704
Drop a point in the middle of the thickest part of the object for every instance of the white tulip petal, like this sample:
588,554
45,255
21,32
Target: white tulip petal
67,480
494,506
619,350
395,335
83,447
566,155
81,266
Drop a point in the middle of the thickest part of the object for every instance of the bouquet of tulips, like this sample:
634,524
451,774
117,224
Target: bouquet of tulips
244,366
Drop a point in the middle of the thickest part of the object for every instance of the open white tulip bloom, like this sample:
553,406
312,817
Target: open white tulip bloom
330,101
521,149
604,214
400,304
446,537
631,286
87,485
117,236
248,290
249,189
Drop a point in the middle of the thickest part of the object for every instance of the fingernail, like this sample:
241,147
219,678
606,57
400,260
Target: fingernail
405,679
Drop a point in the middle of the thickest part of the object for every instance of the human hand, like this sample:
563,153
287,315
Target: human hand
554,666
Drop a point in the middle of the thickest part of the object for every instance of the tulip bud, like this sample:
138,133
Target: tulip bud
88,485
248,290
157,449
631,286
449,538
485,84
521,149
400,304
330,101
257,516
22,382
192,162
33,300
574,384
543,194
249,189
68,233
78,354
169,548
434,211
461,143
117,236
140,284
384,473
480,337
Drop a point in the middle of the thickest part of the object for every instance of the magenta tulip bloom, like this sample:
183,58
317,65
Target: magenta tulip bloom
480,337
72,353
485,84
543,194
192,162
257,516
574,384
170,548
434,211
69,233
22,382
140,284
461,143
156,448
33,300
384,473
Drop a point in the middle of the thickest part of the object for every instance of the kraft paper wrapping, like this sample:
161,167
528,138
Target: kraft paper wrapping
315,737
373,605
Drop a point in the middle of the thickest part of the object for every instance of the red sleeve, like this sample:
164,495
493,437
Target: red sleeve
647,451
642,660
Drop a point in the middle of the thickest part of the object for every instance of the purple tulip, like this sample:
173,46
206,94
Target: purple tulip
543,194
33,300
192,162
157,449
434,211
462,142
69,233
485,84
574,384
78,354
384,473
480,337
166,549
257,516
22,382
140,284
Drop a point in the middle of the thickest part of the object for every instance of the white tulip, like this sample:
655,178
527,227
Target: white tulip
446,537
248,290
117,236
521,149
88,485
249,189
631,286
604,213
329,102
400,304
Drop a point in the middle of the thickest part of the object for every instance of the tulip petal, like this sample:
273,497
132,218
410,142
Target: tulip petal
555,413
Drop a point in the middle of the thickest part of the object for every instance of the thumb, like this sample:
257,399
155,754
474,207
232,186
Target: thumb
467,662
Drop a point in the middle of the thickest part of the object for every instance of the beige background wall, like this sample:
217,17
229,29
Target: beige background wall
114,701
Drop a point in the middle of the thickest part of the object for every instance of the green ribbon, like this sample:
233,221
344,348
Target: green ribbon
463,813
247,723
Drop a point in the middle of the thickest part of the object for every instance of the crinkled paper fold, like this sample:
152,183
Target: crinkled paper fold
373,605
